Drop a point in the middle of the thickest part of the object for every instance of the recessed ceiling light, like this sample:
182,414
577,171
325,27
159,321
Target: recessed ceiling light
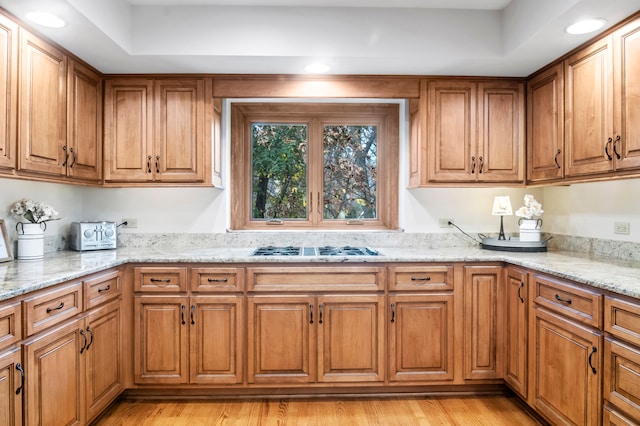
586,26
317,68
45,19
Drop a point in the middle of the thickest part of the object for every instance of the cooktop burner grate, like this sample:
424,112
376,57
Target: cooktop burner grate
314,251
277,251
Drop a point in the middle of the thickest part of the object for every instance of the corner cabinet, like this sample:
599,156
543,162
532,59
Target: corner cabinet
8,93
158,130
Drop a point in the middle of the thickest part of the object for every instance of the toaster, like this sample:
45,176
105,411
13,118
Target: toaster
92,236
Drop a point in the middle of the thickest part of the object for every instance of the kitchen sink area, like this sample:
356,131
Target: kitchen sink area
315,251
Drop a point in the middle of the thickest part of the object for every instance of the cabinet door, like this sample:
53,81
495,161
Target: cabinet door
103,358
128,132
451,136
351,344
160,340
8,92
516,336
54,380
566,376
179,130
43,106
545,125
627,93
421,335
589,110
84,141
216,339
482,323
281,339
622,376
501,132
11,388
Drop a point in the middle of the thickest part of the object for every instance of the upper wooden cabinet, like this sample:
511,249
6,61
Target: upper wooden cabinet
474,131
8,92
157,130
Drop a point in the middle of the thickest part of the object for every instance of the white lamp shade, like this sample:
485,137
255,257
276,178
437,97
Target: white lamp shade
502,206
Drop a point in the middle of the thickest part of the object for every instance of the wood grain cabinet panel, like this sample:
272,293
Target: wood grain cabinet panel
216,280
612,417
622,377
162,279
51,307
516,304
101,288
11,387
622,319
10,323
420,278
8,93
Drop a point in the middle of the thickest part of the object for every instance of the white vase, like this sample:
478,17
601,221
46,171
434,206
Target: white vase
530,229
30,240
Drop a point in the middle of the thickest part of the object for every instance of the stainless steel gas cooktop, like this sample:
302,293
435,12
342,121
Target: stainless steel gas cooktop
315,251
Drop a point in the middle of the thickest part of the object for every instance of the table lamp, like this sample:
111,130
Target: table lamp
502,207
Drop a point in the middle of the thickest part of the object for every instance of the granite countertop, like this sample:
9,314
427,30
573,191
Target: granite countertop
21,277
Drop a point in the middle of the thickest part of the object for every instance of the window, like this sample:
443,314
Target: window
304,165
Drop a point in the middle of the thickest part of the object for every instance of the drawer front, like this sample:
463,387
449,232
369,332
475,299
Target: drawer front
47,309
10,324
337,278
622,319
582,305
611,417
420,278
622,377
214,280
101,289
160,279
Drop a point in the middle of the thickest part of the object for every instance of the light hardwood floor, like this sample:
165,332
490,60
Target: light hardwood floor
467,411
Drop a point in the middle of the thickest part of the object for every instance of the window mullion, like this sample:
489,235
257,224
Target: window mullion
315,171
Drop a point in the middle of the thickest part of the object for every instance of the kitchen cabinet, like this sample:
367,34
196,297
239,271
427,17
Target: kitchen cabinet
158,130
565,381
8,93
475,131
11,387
483,319
421,324
516,305
545,125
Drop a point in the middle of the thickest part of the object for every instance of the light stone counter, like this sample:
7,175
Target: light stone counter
20,277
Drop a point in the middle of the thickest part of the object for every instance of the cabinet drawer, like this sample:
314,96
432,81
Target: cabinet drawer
336,278
101,288
582,305
611,417
10,324
622,319
160,279
622,376
420,278
216,279
49,308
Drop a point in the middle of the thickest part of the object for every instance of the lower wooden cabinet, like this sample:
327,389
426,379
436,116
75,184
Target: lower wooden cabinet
306,339
11,387
566,371
179,340
516,306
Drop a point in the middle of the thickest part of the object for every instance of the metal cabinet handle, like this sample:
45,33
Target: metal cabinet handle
593,351
157,164
57,308
73,155
84,341
606,149
158,280
217,280
615,148
560,299
91,338
481,164
107,288
149,164
310,314
66,156
555,158
427,278
193,314
320,309
393,313
21,370
182,315
473,164
520,291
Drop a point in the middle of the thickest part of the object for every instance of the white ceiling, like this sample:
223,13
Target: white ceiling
406,37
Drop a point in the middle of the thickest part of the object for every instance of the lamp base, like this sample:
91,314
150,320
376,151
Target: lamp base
513,244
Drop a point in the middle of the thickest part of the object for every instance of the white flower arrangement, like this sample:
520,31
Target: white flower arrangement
531,208
33,211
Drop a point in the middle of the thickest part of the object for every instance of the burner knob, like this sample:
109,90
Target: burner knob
88,233
108,232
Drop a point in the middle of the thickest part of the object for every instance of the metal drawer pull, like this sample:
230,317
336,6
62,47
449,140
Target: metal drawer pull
320,308
606,149
84,341
593,351
310,314
193,314
217,280
182,315
66,156
149,164
393,312
91,336
73,161
57,308
107,288
520,291
158,280
560,299
481,164
555,159
157,164
615,148
473,165
21,370
420,278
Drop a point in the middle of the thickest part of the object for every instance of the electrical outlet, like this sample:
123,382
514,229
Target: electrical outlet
444,223
622,228
131,222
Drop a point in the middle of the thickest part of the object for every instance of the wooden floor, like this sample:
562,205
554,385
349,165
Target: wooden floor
468,411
